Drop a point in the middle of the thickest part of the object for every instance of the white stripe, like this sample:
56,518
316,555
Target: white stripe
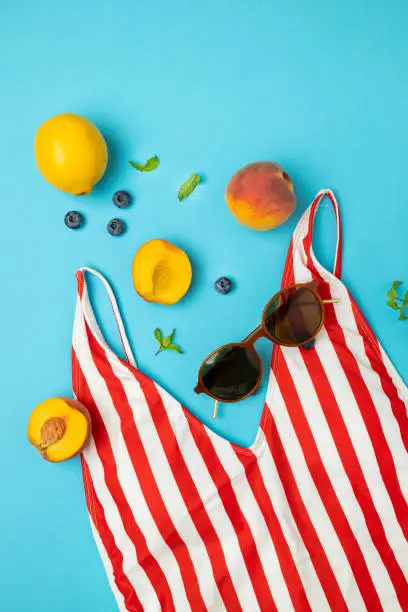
330,456
401,387
298,255
131,568
335,470
314,590
355,343
312,501
380,400
363,447
356,428
215,509
390,425
256,522
170,493
120,600
128,480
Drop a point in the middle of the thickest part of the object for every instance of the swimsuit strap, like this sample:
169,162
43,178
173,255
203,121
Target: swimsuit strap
87,306
310,220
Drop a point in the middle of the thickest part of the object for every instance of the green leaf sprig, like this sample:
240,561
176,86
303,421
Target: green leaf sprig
148,166
397,303
188,187
166,343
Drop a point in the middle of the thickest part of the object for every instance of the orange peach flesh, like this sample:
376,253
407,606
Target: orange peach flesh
161,272
59,428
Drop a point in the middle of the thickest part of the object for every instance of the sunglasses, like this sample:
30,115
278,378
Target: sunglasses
293,317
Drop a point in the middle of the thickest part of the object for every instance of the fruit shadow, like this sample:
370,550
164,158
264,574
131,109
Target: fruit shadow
118,145
304,189
195,277
114,163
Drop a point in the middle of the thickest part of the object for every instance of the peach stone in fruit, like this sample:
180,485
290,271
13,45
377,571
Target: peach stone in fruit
261,196
59,428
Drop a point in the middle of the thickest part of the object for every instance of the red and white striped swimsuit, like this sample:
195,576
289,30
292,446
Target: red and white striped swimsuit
313,516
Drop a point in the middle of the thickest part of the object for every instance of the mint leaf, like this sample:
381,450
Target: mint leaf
397,303
174,347
392,293
150,165
158,335
168,340
188,187
166,344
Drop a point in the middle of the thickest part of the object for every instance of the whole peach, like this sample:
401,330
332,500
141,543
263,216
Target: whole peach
261,195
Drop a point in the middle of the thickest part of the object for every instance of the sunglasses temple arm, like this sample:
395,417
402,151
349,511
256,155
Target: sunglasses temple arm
330,301
215,411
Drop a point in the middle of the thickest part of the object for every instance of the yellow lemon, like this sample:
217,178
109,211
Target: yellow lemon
71,153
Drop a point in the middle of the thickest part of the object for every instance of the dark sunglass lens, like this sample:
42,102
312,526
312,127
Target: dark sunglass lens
294,316
231,373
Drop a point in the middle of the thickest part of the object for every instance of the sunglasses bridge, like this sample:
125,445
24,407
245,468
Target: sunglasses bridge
249,342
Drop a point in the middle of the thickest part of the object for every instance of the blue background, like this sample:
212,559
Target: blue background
320,87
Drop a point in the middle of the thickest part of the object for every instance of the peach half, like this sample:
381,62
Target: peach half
59,428
161,272
261,196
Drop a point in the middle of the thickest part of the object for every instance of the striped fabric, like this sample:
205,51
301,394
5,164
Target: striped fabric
312,517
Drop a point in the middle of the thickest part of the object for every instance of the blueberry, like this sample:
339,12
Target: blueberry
223,285
122,199
74,219
116,227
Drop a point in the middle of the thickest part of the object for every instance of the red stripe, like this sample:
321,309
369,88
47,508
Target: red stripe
103,446
367,408
145,475
189,492
229,500
289,570
325,488
372,423
374,355
286,277
305,526
81,283
97,513
353,469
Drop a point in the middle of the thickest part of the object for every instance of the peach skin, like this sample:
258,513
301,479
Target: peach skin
261,196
